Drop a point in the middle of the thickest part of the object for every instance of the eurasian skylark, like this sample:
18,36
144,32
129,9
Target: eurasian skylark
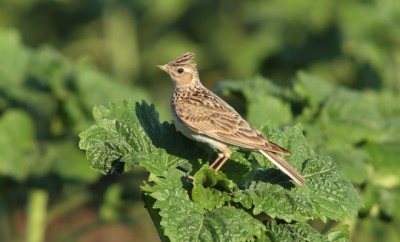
202,116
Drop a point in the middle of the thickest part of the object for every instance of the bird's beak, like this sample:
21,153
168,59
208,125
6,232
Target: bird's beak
163,67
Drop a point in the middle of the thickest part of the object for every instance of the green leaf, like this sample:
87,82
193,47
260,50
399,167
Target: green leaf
102,148
339,233
17,131
279,202
132,134
312,91
240,167
291,232
69,162
292,139
14,61
51,69
332,196
156,162
257,93
352,163
164,135
185,220
276,110
304,232
120,137
374,228
97,88
211,189
384,157
338,114
348,116
117,134
388,201
326,193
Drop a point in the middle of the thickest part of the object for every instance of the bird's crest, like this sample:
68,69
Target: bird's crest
184,59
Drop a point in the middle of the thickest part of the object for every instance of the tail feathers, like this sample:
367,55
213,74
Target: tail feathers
272,147
284,166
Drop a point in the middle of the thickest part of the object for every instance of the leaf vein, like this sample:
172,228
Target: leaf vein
320,172
201,225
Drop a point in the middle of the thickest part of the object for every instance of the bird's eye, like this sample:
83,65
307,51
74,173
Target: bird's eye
180,70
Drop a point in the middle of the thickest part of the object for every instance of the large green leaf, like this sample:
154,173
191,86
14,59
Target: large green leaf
304,232
384,157
14,60
326,194
211,189
132,134
17,130
332,196
185,220
97,88
264,100
68,162
120,137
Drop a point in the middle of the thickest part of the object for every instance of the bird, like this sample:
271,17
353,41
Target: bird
201,115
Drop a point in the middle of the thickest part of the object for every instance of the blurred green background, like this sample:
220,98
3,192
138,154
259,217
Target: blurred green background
60,58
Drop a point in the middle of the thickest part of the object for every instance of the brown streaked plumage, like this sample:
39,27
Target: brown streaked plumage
201,115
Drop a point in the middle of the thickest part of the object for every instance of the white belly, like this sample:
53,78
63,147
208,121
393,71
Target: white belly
196,136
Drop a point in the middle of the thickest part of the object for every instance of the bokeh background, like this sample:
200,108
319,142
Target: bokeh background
59,58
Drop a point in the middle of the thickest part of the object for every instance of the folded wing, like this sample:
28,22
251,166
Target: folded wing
223,124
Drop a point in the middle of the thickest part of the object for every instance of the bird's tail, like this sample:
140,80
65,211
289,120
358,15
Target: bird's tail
284,166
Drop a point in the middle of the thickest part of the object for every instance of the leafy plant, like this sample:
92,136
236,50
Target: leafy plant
219,205
44,102
46,97
359,130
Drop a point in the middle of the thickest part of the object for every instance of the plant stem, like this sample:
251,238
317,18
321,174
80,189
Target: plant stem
36,215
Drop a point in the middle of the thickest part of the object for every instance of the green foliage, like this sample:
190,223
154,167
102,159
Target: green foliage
12,121
46,97
356,129
185,220
258,91
44,103
216,205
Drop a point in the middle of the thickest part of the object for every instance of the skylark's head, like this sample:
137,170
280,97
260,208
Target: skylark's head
182,70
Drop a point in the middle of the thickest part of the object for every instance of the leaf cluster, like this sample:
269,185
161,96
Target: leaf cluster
44,101
358,130
338,41
218,205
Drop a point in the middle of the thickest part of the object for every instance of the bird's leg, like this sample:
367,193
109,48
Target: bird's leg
226,154
221,164
220,156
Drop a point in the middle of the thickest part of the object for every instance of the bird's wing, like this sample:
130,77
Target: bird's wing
216,119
